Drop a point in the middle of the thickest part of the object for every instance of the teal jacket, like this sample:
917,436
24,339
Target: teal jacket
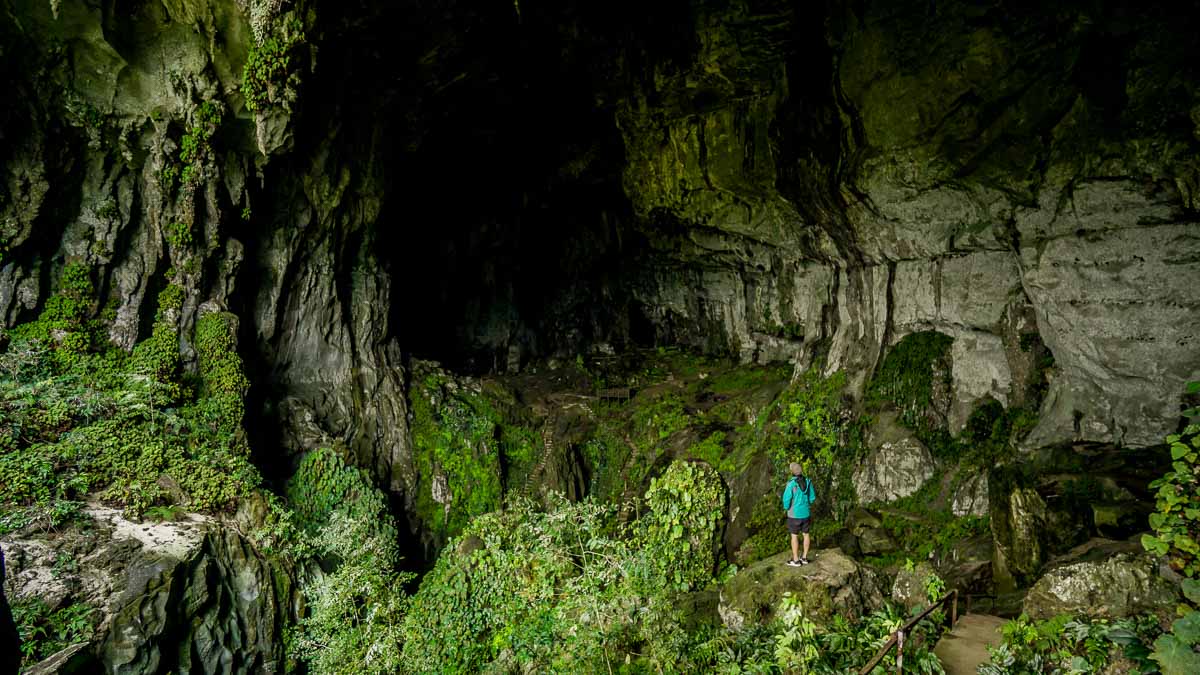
797,499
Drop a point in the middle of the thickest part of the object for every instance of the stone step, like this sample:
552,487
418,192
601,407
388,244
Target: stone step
963,649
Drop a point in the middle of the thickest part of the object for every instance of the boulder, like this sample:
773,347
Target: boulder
861,519
970,497
908,590
1123,584
832,584
187,595
876,541
1018,526
897,466
1120,520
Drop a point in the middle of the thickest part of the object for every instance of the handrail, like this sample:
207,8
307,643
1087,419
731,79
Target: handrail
897,638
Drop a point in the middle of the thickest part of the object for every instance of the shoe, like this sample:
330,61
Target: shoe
802,561
794,563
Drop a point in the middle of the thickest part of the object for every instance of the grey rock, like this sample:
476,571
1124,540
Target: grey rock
188,596
1018,524
1122,585
970,497
876,541
832,584
909,588
897,466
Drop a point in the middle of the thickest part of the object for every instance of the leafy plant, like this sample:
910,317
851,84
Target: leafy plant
268,76
1176,522
1065,644
45,631
355,612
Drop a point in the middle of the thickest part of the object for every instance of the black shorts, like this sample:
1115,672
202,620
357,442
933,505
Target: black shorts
798,525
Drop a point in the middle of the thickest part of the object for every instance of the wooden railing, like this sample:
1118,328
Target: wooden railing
897,638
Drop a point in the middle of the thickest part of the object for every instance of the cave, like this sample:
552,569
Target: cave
314,315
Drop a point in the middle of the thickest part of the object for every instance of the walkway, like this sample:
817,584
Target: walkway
964,648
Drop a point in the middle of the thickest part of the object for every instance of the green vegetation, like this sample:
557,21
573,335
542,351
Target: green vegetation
195,148
809,419
570,588
268,77
1064,644
65,323
81,417
45,631
179,235
687,504
356,610
801,646
923,524
1176,524
905,380
658,420
224,381
461,437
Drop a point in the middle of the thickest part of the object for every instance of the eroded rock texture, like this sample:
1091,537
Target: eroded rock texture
491,183
835,181
188,596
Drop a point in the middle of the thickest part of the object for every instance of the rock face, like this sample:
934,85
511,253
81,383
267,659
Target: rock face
187,596
1122,585
970,186
897,466
909,588
1018,526
810,183
832,584
970,498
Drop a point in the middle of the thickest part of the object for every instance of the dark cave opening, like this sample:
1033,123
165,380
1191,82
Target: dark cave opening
505,218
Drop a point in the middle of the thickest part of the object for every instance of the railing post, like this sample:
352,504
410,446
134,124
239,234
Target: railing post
900,651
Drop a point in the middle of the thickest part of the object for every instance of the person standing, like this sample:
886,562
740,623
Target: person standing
798,495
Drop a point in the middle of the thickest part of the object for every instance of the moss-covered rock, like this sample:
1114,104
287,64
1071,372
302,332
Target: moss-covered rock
911,586
832,584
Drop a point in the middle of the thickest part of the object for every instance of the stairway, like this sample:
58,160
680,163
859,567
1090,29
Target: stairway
964,648
534,474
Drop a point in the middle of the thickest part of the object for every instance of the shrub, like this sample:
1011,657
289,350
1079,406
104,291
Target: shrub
45,631
355,612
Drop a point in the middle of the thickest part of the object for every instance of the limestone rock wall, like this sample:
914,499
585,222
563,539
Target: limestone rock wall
189,596
975,170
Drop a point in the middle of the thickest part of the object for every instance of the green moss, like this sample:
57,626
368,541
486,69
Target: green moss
905,379
659,419
455,438
606,454
712,450
746,378
268,73
224,382
767,535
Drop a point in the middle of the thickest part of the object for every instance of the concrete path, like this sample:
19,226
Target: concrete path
964,648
